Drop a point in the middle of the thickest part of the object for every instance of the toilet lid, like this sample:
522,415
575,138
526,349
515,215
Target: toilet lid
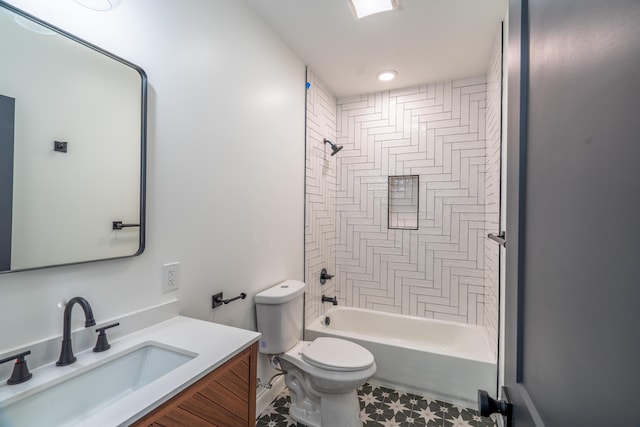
337,355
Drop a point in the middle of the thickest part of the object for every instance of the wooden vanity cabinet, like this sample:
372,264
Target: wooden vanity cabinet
226,398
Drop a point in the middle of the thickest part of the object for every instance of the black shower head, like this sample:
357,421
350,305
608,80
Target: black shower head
334,148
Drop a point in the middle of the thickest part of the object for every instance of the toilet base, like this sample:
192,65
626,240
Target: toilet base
320,410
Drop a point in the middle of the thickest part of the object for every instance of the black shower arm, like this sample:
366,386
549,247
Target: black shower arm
326,141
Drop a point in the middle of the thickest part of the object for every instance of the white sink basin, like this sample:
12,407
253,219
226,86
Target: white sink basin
77,396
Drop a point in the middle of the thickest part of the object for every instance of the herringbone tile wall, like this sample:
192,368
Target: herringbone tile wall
492,193
320,211
436,131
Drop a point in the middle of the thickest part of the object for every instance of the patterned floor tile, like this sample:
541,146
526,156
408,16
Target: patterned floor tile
384,407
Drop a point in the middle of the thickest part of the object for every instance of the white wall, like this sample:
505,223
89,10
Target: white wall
225,166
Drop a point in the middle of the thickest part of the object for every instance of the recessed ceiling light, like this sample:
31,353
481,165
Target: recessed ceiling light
387,75
362,8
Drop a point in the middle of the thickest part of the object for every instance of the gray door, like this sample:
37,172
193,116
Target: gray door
573,215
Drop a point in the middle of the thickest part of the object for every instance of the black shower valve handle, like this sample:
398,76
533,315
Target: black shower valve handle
324,276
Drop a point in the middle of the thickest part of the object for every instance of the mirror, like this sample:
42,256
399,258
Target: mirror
72,148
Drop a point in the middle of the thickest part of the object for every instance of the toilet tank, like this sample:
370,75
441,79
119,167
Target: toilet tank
280,313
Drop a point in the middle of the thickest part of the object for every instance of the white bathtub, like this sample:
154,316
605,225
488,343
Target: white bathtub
434,358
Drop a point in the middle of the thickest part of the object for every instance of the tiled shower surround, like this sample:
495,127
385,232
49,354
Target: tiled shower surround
320,189
436,131
447,133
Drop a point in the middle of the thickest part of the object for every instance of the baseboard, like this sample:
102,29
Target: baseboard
266,396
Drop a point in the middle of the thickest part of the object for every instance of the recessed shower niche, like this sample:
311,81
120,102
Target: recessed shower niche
403,202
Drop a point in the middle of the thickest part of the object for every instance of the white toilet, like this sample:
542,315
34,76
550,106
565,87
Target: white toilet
322,375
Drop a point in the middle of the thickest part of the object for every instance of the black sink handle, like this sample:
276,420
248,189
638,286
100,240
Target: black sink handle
102,344
20,372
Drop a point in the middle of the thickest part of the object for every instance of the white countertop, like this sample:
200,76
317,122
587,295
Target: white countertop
213,343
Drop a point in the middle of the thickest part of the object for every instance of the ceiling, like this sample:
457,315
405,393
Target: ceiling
424,40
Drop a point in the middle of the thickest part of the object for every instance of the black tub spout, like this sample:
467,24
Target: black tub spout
333,300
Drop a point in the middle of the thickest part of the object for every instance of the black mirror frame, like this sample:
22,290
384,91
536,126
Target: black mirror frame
143,133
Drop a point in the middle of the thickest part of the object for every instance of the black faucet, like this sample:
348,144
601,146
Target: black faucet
66,352
333,300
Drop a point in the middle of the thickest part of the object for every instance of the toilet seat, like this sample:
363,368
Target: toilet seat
336,354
